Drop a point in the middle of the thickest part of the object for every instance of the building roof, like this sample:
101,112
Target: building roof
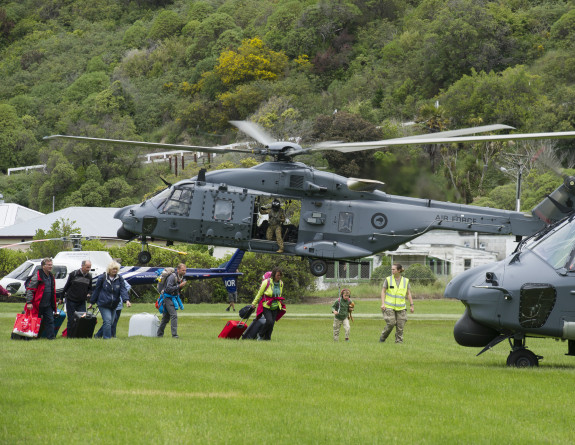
11,214
92,221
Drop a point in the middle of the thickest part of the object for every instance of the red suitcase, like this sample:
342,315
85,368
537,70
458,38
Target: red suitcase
233,329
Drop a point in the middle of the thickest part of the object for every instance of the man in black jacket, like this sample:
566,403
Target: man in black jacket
77,290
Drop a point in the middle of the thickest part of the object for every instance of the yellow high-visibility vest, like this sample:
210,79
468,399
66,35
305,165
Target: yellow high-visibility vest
395,296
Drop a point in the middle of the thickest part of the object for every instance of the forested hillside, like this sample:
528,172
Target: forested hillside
178,71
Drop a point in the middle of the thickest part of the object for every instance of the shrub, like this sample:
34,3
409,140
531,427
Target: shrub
420,274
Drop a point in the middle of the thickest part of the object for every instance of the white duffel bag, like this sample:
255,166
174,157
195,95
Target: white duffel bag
143,324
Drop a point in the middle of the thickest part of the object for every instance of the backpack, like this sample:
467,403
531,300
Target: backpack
164,277
267,276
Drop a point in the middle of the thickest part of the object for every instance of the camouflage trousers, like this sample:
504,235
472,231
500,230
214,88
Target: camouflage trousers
393,319
278,233
337,326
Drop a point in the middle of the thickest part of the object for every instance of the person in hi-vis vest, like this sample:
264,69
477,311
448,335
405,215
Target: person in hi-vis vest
395,291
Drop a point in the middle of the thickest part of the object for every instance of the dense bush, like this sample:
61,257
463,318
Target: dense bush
420,274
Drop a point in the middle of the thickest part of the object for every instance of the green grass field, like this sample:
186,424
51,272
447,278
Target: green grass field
299,388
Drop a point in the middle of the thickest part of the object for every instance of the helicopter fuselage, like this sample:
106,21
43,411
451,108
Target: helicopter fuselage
340,218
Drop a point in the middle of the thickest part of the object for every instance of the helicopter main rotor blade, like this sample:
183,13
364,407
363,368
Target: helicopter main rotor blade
462,131
216,149
358,146
254,131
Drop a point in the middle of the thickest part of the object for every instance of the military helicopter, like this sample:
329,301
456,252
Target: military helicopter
341,218
528,294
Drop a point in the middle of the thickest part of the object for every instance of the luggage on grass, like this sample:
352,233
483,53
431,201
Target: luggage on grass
26,326
143,324
85,324
58,320
254,329
233,329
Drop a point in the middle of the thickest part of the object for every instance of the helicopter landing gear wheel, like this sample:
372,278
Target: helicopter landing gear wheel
144,257
522,358
318,268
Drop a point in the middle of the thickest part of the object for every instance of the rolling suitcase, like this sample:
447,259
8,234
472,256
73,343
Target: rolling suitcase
58,320
143,324
233,329
254,329
85,324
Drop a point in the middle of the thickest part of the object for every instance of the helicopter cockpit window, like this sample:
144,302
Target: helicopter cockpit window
160,198
21,272
557,248
179,202
345,223
223,209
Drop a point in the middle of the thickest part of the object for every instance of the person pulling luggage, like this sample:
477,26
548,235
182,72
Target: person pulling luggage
109,290
76,292
269,301
41,296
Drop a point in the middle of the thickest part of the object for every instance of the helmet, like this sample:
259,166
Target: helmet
276,204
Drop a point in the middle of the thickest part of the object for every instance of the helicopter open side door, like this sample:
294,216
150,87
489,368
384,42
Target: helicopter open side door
226,212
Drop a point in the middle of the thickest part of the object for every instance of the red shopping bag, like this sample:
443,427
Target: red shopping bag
27,325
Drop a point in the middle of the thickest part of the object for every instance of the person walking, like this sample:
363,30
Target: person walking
76,291
341,309
173,287
109,290
395,290
269,301
232,293
41,296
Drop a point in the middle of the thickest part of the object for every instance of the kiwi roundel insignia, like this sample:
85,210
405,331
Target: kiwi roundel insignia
379,221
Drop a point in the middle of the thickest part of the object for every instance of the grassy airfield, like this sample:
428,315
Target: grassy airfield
299,388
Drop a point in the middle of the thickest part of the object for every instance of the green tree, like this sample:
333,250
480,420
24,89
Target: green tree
165,25
61,228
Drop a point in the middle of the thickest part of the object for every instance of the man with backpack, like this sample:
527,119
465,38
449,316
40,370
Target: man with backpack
173,287
76,291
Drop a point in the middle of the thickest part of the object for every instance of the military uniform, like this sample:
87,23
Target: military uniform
395,311
276,218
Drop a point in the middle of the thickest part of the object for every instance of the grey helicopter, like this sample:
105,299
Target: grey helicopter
340,219
528,294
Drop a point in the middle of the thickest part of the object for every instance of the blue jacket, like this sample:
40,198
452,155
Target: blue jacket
108,293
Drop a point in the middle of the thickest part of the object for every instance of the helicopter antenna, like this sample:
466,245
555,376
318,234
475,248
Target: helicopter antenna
169,184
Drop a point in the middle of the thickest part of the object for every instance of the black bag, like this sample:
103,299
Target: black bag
246,312
253,329
85,324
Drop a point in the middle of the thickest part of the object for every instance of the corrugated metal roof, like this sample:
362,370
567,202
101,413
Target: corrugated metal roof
11,214
92,221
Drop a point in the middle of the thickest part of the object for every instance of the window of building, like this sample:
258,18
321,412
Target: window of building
466,264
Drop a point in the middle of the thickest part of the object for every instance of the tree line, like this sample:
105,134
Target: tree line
350,70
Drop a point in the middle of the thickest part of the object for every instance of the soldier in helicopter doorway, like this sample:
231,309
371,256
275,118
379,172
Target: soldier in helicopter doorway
276,219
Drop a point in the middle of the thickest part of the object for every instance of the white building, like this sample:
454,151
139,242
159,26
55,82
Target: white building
95,222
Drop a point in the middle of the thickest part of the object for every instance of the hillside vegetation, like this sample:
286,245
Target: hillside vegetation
178,71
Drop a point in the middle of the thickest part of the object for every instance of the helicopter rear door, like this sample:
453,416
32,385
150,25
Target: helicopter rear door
226,212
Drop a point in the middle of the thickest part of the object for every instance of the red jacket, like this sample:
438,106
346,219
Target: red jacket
35,290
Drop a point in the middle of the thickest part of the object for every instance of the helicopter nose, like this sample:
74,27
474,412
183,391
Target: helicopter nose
125,234
468,332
